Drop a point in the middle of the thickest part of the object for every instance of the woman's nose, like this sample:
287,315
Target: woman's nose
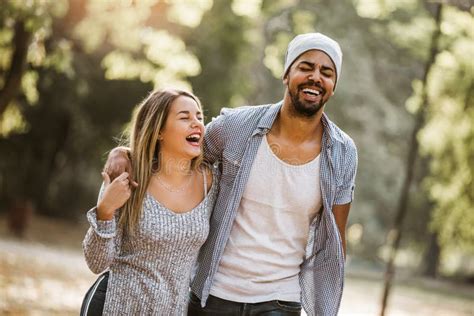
196,122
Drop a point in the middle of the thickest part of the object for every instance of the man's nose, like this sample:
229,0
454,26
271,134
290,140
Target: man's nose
315,75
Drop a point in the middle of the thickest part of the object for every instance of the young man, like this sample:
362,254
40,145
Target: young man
277,236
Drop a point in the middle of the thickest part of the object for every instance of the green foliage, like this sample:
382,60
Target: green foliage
12,120
56,164
38,17
137,51
221,44
448,137
275,54
443,192
55,148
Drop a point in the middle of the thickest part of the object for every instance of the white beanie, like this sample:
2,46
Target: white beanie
305,42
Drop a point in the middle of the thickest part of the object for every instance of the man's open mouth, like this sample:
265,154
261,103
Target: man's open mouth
312,92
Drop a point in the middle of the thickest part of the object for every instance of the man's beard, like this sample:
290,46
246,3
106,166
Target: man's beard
300,108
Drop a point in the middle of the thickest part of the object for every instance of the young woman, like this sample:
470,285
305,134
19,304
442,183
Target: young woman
148,238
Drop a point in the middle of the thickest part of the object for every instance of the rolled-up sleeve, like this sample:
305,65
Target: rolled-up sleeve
345,192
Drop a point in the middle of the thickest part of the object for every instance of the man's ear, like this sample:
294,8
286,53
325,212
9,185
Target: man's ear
285,79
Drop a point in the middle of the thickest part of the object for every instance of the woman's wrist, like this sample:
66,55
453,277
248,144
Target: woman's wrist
104,213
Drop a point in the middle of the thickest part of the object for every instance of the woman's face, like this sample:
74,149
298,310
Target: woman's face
182,134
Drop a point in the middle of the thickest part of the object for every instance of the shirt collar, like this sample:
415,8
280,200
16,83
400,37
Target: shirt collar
267,120
330,131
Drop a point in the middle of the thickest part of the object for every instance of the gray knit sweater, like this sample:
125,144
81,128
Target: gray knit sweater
149,272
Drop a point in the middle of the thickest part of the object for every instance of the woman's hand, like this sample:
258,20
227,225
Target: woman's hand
116,193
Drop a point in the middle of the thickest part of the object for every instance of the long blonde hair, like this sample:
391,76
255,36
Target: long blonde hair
148,121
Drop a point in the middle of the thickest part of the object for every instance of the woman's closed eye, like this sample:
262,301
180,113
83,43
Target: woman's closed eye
187,118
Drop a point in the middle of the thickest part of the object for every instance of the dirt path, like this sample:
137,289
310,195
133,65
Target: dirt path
362,295
46,275
40,280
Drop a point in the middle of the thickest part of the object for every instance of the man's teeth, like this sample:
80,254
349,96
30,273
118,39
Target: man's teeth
311,91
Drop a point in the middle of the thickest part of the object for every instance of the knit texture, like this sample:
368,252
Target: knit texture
149,272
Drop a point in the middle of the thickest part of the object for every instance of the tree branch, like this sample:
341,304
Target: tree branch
12,85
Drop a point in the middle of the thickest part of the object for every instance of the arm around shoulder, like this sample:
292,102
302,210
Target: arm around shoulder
118,162
214,139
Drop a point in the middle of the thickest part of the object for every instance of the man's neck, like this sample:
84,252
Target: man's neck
296,127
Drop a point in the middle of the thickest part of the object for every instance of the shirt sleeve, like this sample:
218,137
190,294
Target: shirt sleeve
345,192
213,140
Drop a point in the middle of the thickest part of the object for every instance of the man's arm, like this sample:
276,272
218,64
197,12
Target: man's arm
213,139
341,213
345,193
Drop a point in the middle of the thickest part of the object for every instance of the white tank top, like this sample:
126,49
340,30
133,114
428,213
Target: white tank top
266,247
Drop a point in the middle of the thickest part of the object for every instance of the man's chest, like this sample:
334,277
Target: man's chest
292,152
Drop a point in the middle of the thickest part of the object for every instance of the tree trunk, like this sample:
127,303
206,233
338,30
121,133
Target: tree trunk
21,41
432,256
396,231
19,216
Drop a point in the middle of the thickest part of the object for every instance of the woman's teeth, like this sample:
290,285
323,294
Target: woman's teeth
193,138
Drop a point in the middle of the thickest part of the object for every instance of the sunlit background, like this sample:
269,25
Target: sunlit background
71,72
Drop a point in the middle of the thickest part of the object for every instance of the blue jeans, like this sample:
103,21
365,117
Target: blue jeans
216,306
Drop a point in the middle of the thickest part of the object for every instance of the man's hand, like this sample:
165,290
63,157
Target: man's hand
119,162
114,197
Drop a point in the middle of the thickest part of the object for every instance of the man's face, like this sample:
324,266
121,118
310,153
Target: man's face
310,82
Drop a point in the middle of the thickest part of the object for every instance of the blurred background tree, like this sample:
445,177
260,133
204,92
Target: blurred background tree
71,72
448,138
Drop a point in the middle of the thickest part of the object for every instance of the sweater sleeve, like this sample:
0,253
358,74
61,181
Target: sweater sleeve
101,241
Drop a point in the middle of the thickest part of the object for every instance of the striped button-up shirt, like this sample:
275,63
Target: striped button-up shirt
232,140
